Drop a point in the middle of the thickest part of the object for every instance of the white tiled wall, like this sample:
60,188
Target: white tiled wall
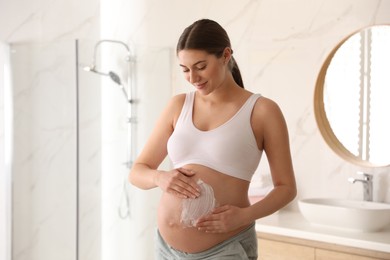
279,46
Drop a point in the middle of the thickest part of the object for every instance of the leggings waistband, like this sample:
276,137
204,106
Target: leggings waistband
246,238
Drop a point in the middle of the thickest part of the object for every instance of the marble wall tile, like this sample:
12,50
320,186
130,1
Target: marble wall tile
44,192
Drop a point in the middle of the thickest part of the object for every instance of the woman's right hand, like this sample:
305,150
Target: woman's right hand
180,182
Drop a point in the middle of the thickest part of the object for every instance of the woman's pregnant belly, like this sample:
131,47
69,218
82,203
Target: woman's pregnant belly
180,234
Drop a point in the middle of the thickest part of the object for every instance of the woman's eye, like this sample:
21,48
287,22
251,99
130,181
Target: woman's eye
197,68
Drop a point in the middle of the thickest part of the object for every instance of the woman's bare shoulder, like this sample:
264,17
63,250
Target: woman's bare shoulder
178,99
267,115
174,107
175,104
268,121
265,107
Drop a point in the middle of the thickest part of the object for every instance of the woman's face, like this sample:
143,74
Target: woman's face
204,71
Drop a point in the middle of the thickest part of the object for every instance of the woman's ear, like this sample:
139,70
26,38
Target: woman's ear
227,54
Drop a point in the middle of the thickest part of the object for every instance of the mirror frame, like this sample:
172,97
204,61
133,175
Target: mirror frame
320,114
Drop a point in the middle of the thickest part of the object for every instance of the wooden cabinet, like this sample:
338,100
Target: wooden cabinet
275,247
322,254
275,250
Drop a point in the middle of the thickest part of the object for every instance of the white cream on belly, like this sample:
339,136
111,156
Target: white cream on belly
193,209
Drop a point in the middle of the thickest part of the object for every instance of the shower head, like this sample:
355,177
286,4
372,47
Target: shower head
115,78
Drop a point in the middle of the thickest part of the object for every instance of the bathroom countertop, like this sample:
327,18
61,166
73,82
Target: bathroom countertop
292,224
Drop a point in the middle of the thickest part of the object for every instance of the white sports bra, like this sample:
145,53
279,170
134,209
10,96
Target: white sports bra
230,148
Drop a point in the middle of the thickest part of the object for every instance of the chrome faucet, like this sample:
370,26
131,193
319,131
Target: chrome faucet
367,185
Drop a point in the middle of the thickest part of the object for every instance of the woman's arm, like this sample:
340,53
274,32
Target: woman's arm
271,125
145,174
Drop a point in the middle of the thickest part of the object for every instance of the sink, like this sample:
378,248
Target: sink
352,215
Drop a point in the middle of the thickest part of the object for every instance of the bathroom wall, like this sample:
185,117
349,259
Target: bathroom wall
279,46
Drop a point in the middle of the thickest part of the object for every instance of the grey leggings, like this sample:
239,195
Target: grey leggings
241,246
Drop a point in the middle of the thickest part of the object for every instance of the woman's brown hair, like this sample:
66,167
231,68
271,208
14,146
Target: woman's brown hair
209,36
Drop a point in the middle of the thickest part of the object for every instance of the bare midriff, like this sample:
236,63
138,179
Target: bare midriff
227,191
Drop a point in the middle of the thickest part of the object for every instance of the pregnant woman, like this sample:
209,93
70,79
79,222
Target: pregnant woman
214,136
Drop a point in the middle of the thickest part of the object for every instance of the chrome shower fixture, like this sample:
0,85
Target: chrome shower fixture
117,80
113,76
124,209
93,66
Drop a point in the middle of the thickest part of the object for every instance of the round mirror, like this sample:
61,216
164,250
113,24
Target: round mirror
352,98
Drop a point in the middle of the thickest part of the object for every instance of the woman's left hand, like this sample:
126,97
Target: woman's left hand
222,219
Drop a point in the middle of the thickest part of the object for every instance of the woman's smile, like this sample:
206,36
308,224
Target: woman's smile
200,86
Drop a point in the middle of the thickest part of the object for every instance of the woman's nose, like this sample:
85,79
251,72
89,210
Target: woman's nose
193,77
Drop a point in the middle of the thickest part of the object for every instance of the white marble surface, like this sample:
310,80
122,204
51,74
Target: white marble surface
43,166
293,224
